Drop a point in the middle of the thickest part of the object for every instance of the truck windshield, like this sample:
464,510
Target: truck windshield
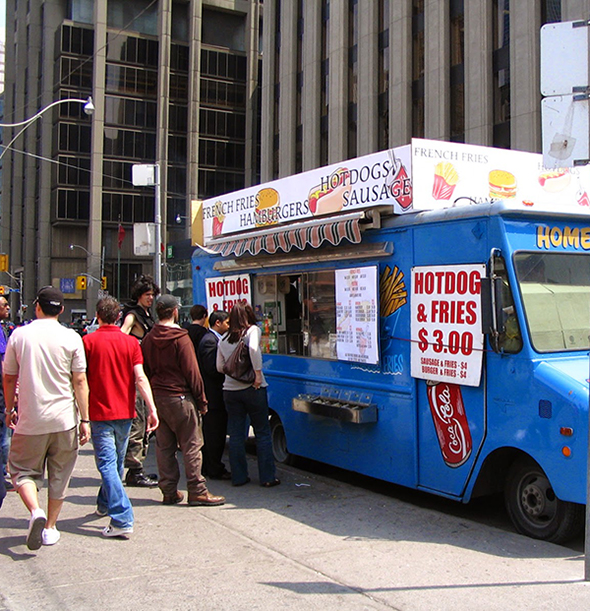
555,290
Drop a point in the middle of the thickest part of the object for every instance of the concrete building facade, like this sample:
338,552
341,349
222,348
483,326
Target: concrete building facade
173,82
374,73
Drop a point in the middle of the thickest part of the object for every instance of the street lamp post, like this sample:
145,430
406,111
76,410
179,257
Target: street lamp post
88,109
25,124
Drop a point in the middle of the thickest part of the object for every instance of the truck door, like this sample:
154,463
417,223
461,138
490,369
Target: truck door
451,428
447,344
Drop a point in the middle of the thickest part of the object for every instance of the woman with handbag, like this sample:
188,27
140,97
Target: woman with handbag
244,393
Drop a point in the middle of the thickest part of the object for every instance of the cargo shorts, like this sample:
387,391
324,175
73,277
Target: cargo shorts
31,454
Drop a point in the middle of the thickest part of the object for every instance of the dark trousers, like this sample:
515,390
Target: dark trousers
214,434
180,427
138,438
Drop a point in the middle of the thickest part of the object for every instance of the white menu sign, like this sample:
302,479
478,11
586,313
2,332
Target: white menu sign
356,315
447,342
225,291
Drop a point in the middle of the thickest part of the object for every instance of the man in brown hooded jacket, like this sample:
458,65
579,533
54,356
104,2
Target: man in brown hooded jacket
171,366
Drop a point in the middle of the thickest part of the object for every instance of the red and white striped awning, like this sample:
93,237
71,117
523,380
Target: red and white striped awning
313,233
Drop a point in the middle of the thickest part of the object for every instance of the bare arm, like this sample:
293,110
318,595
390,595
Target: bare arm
9,383
80,385
145,390
128,323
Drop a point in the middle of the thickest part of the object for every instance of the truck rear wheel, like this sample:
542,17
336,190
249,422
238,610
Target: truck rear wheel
534,509
279,442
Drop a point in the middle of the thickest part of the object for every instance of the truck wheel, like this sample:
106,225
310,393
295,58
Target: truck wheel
534,509
279,442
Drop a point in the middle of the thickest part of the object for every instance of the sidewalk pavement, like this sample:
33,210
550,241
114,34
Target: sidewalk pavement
311,543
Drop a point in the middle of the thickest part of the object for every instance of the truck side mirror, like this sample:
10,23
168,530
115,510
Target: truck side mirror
492,320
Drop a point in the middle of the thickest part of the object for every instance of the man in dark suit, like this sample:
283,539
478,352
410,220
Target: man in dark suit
215,420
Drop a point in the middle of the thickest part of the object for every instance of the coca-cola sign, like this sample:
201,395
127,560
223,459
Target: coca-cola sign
450,421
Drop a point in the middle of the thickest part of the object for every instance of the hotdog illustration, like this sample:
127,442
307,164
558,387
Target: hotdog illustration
329,198
555,181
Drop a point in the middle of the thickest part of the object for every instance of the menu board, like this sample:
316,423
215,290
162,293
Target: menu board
356,315
447,342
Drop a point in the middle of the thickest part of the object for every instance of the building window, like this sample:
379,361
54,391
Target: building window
138,16
457,92
132,50
353,33
73,205
418,68
550,11
501,71
221,29
383,76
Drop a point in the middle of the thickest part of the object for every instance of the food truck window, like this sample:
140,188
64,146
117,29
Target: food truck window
510,338
297,313
555,290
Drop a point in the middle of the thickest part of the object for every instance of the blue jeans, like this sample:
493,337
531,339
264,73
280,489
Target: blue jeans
110,438
4,443
241,404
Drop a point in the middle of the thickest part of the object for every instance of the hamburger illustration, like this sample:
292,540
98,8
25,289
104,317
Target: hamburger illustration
554,181
267,207
445,180
502,184
329,198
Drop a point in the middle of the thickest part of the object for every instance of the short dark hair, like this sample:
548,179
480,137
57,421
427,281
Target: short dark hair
217,315
142,285
164,311
108,310
198,312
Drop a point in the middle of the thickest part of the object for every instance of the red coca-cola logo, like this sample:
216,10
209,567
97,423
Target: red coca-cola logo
450,421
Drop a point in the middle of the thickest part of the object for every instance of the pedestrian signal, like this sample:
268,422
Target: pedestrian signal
103,283
81,283
3,263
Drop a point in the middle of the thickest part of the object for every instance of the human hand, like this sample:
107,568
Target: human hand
152,422
84,433
11,419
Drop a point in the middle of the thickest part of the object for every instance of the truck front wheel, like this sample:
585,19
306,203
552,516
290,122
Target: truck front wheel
279,441
534,509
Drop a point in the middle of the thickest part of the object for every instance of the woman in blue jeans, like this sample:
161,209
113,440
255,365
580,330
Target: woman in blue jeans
243,400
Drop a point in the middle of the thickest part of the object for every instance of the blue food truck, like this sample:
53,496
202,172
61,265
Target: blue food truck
426,316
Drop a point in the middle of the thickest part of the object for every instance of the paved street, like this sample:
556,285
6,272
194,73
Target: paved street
311,543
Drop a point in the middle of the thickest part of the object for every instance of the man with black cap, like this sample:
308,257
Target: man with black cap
171,366
48,362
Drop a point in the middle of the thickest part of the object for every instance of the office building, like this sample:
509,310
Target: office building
343,78
173,82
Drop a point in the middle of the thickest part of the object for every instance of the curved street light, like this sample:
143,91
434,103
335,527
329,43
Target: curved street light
90,254
88,109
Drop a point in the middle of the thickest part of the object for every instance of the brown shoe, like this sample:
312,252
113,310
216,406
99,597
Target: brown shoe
173,499
206,499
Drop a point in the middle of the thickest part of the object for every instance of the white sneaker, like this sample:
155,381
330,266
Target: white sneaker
50,536
100,513
36,526
114,531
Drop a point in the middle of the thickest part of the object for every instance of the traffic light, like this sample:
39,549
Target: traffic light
4,290
81,282
3,263
103,283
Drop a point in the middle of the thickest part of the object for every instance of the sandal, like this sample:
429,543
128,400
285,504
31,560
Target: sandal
275,482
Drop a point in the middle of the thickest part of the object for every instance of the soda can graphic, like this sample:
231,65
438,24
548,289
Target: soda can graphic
450,422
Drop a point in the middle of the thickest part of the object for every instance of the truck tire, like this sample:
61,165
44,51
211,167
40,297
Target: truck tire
279,442
533,507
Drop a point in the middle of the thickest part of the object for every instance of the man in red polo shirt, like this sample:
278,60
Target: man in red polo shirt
115,367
